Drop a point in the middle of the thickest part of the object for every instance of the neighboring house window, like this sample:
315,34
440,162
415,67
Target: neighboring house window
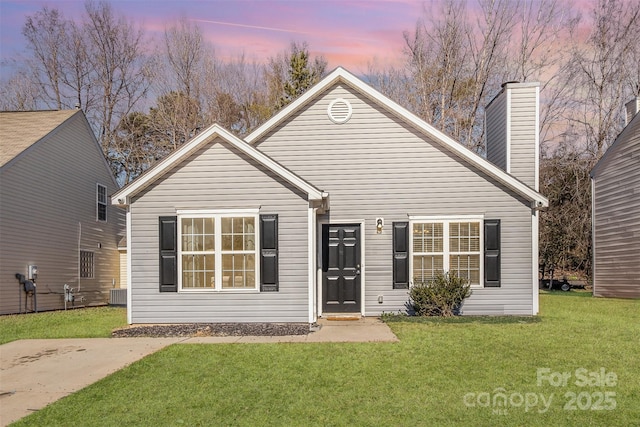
452,246
218,252
102,203
86,265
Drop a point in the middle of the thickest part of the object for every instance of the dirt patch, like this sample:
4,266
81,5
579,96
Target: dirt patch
213,330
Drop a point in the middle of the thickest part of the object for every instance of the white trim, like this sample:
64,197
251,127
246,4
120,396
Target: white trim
534,262
593,235
311,262
342,75
449,218
537,142
218,252
445,220
209,212
122,197
507,141
129,282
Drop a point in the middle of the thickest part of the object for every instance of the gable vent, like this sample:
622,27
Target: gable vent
339,110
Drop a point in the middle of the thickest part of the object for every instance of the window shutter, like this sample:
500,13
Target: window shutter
492,253
400,255
168,254
268,253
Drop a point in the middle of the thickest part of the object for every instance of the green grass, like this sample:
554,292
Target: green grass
78,323
422,380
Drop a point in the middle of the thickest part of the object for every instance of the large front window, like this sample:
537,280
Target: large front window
446,246
218,252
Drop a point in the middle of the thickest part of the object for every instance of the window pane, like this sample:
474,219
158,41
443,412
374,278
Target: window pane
237,271
209,226
466,266
426,267
226,225
227,242
427,237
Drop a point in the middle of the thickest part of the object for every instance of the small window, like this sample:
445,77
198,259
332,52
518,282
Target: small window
102,203
86,265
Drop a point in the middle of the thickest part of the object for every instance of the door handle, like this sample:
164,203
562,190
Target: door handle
358,270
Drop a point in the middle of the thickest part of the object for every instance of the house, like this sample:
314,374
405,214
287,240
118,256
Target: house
54,212
615,190
335,205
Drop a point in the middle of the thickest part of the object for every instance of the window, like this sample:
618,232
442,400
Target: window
218,252
446,245
101,196
86,265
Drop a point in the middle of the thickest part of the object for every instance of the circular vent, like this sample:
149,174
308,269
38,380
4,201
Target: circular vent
339,110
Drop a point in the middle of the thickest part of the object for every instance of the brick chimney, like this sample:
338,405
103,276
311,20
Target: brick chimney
512,131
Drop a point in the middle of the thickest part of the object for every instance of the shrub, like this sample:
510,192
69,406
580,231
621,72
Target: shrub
440,296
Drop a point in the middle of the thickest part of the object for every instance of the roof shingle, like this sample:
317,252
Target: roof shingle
21,129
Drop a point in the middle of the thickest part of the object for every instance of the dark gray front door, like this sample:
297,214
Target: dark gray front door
341,268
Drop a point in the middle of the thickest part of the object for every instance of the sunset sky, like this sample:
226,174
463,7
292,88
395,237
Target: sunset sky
347,33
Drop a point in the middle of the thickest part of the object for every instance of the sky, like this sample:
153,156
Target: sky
347,33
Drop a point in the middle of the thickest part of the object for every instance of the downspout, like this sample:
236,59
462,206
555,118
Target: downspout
79,246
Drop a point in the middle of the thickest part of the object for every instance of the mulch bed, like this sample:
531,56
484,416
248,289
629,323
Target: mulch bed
213,330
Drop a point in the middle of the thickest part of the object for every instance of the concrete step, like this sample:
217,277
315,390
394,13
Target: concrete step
341,316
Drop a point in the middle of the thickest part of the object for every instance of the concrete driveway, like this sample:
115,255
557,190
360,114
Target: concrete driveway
35,373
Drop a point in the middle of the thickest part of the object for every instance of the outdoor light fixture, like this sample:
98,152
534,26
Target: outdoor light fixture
379,225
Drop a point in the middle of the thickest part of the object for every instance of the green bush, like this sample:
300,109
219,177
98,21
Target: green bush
440,296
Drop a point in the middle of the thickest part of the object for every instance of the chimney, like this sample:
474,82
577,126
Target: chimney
631,108
512,134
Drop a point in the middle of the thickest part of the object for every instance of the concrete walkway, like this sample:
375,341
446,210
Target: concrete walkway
35,373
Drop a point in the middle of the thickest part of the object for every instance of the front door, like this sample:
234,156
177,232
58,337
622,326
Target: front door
341,268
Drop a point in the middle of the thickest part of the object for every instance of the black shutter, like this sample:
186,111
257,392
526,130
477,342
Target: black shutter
168,254
268,253
492,253
400,255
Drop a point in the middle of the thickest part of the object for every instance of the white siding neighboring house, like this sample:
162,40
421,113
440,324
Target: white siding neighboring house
54,210
615,184
335,205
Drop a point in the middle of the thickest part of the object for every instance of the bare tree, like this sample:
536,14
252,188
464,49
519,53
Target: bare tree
20,93
46,33
123,72
601,74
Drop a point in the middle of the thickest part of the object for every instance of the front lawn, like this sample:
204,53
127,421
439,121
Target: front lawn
97,322
440,373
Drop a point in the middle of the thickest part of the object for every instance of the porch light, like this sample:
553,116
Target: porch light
379,225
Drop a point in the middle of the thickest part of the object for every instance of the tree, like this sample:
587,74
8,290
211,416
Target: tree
301,73
46,33
601,73
122,70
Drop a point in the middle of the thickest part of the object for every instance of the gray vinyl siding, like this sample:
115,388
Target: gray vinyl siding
616,218
218,176
523,134
375,165
48,214
496,126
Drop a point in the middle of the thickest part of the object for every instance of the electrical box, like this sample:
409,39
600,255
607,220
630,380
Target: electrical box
32,272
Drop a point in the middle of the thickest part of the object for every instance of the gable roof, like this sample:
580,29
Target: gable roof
343,76
123,196
19,130
620,139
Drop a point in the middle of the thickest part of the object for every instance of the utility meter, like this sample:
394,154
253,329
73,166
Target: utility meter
32,272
